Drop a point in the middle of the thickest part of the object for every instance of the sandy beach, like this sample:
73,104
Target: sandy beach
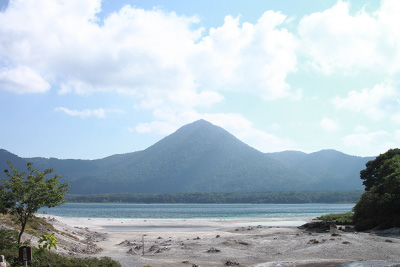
225,242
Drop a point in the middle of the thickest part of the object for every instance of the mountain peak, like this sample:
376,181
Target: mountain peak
203,121
199,123
203,157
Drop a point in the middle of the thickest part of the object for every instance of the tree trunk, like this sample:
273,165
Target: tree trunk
20,234
23,224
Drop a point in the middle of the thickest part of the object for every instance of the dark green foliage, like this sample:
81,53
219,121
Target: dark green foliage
224,198
8,239
9,244
339,218
376,170
201,157
379,206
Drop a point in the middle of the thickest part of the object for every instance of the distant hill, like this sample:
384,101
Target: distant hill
202,157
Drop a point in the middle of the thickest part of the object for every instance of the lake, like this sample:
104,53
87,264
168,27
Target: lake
191,211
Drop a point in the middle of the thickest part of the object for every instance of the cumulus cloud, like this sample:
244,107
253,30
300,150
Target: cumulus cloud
146,53
99,113
171,66
22,80
379,102
253,58
329,125
337,41
370,143
361,129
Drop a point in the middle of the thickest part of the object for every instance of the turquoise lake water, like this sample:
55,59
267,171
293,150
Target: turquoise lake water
188,211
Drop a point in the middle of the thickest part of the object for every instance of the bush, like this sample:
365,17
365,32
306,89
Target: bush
396,221
365,224
385,224
379,206
8,244
9,248
8,239
53,259
339,218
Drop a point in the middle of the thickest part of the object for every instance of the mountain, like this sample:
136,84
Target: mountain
335,170
202,157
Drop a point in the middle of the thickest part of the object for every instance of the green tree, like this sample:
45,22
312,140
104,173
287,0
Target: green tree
379,206
24,193
49,240
374,174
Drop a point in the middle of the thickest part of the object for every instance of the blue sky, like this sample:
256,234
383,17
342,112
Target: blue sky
86,79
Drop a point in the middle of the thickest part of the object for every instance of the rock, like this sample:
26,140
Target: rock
152,248
131,251
325,225
231,263
213,250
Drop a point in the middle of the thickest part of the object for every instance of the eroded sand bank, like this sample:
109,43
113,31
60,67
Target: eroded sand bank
229,242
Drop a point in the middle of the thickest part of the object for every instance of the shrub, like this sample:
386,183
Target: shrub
339,218
379,206
9,248
366,224
53,259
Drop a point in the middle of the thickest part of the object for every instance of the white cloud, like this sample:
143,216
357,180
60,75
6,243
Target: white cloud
22,80
361,129
147,53
253,58
371,143
376,103
329,125
275,126
99,113
337,41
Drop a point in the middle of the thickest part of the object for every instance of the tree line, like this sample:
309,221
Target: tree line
222,198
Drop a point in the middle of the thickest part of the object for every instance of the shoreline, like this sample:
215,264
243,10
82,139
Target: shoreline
220,242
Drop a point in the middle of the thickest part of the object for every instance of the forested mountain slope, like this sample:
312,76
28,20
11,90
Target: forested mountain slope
202,157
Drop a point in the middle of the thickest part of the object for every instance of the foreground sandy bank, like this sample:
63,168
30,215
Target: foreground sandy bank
232,242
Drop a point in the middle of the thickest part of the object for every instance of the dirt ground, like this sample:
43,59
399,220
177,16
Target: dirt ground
230,242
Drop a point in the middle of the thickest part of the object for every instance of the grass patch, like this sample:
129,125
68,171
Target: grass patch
339,218
38,226
35,226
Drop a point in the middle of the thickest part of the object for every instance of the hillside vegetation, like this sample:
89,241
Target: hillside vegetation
224,198
202,157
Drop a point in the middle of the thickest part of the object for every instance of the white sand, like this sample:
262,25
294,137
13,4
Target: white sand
215,242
